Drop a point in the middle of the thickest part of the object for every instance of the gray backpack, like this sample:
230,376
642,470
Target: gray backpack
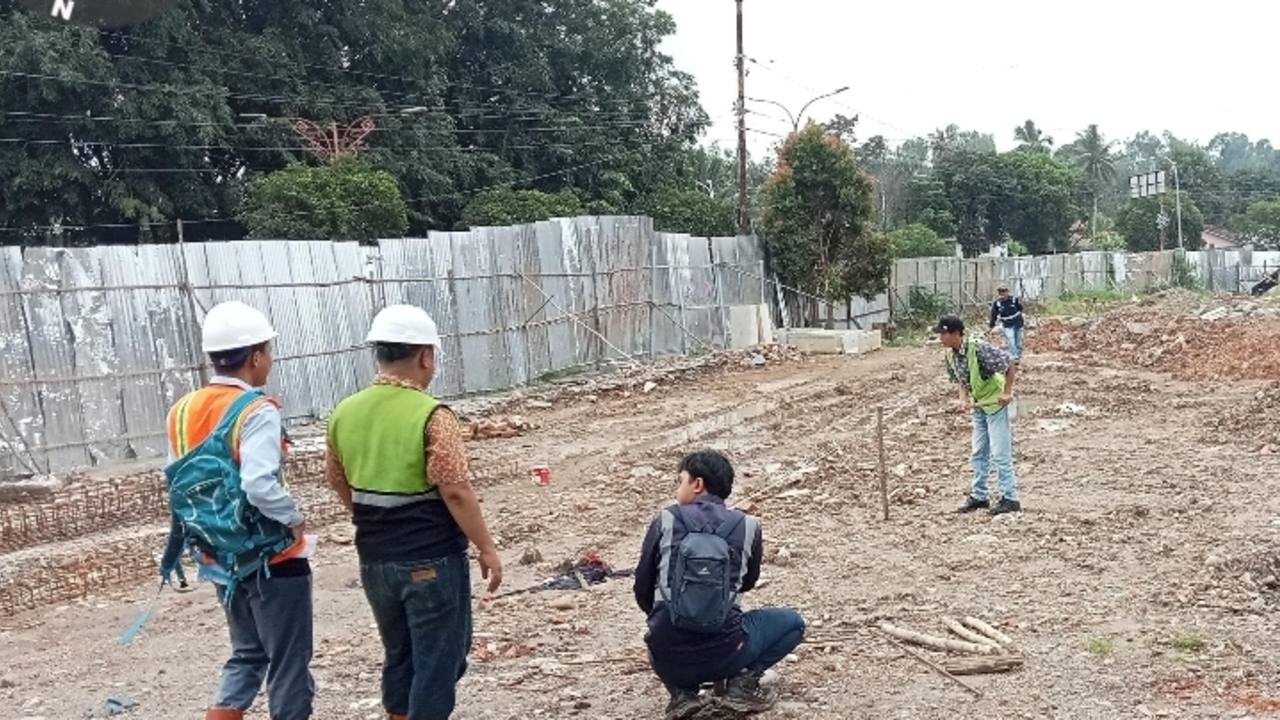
703,588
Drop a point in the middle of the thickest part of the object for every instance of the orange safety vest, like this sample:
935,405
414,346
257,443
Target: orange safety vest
196,416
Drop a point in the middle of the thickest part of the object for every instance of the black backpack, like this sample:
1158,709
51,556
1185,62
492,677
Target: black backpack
704,587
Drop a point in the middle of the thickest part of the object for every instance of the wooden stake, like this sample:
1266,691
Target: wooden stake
965,633
937,643
884,478
934,667
983,665
989,631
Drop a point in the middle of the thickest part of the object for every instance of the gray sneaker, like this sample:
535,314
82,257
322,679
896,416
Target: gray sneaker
684,704
744,694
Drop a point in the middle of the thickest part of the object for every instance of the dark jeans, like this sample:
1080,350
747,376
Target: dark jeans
423,610
771,634
271,636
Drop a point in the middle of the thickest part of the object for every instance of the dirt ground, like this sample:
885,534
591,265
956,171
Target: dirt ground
1139,582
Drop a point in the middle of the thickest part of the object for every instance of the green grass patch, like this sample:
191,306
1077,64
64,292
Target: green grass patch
557,375
1188,643
1101,646
1084,302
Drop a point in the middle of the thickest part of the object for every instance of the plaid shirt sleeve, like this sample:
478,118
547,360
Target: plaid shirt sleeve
992,360
951,371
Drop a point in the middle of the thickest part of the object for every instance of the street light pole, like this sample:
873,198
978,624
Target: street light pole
744,211
1177,196
796,119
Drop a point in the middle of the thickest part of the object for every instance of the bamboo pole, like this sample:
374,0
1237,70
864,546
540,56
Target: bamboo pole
989,631
934,667
983,665
965,633
937,643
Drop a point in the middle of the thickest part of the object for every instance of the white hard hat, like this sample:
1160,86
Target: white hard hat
234,325
404,324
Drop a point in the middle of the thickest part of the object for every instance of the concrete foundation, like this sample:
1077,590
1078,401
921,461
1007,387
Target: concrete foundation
832,342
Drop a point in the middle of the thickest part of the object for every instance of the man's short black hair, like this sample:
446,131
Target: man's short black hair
949,324
714,469
389,352
233,360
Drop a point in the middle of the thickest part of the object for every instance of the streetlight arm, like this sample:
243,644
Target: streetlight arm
774,103
833,93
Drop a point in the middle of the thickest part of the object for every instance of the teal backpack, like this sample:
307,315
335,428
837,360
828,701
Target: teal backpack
211,513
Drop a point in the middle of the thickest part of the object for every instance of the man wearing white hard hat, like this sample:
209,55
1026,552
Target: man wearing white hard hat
232,512
397,460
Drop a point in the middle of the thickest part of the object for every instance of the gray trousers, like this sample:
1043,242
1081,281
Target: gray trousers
271,638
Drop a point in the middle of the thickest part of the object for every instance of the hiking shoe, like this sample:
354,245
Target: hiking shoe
744,694
1006,506
684,704
971,504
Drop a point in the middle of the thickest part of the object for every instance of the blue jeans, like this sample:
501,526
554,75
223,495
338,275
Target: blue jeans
423,611
1013,335
271,637
771,635
993,444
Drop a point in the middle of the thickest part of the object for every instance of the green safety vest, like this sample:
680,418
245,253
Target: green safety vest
378,435
986,393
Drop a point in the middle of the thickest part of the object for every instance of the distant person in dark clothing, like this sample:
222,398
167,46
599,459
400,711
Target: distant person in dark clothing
1265,285
679,548
1007,311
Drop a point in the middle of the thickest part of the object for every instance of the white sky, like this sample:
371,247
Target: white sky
1194,68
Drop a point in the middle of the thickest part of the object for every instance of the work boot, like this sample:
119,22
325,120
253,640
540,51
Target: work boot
684,704
744,694
224,713
1006,506
971,504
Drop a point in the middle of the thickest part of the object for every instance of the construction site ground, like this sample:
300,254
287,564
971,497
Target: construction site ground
1139,581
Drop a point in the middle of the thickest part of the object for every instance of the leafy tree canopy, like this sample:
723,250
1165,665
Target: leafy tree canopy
514,207
342,201
918,240
1137,223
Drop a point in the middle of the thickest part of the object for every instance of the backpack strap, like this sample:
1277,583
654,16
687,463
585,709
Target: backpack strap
233,419
729,526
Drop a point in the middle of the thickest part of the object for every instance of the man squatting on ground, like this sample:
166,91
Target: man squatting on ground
265,593
697,558
396,459
1007,312
986,376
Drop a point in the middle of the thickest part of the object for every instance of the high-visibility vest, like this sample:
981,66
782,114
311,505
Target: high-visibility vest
197,414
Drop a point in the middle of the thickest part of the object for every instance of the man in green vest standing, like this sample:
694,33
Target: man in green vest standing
396,459
985,375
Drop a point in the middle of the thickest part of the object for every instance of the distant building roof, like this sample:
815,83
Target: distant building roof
1216,238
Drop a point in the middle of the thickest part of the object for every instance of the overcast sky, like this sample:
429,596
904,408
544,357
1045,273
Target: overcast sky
1194,68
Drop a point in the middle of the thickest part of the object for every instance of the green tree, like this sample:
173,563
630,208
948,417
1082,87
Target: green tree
1198,177
1137,223
514,207
340,201
1262,223
1039,210
817,219
979,189
1031,138
691,211
927,203
1091,154
918,240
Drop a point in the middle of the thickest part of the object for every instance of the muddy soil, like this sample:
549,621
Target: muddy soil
1138,583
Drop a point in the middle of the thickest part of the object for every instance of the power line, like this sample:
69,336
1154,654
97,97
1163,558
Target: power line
304,213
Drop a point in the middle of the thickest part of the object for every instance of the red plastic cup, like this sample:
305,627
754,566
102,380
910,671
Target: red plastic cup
541,475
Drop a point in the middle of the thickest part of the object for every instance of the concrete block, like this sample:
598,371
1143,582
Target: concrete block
834,342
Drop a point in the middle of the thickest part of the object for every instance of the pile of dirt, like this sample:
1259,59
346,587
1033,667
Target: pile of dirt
1255,423
1222,339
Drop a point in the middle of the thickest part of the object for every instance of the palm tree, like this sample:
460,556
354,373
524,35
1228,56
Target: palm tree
1091,153
1032,138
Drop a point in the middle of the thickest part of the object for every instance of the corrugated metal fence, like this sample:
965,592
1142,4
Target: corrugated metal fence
96,343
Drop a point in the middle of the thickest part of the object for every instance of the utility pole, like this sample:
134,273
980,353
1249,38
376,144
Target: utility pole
744,210
1177,196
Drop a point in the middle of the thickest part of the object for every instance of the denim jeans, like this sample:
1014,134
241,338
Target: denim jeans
1013,335
423,611
771,635
271,637
993,444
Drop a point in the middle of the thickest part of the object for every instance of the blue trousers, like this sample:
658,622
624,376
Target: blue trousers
993,445
271,637
423,611
771,635
1013,336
